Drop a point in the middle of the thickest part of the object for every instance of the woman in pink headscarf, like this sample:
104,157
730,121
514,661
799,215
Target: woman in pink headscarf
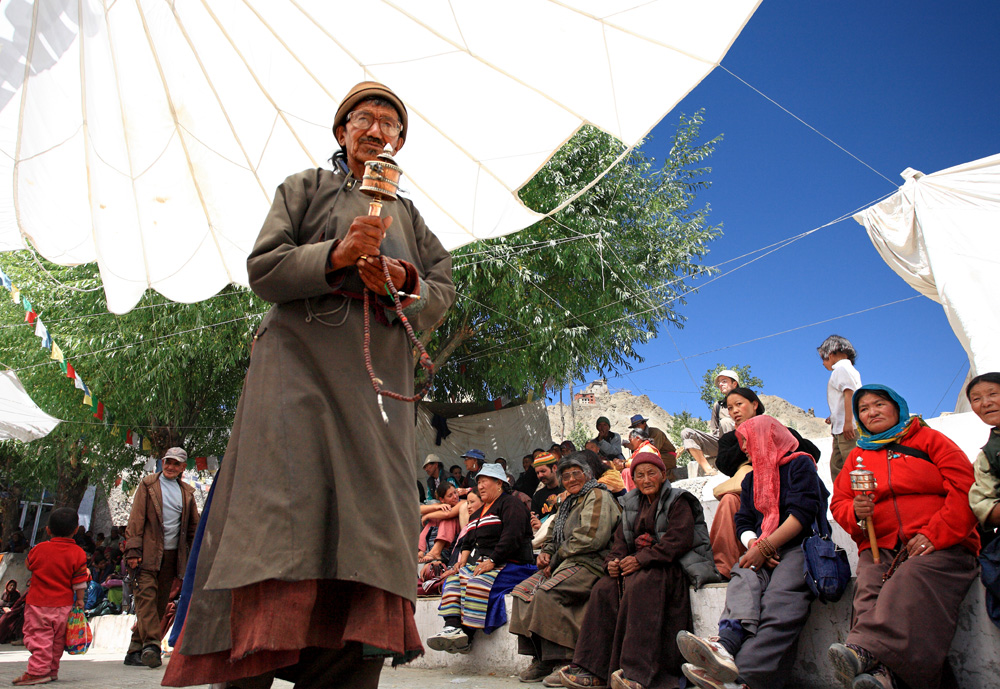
767,601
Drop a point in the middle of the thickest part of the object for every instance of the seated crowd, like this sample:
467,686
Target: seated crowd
599,551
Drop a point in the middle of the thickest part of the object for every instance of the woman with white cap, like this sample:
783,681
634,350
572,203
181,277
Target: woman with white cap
496,550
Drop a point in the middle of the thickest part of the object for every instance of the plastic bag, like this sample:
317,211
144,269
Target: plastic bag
78,634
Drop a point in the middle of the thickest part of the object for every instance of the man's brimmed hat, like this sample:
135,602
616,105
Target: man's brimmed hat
433,459
728,373
176,453
636,420
365,91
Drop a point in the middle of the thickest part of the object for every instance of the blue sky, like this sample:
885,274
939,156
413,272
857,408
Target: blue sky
899,85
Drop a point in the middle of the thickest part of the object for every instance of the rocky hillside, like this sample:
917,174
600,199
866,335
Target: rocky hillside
805,423
619,407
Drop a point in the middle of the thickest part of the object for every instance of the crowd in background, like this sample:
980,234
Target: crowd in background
599,551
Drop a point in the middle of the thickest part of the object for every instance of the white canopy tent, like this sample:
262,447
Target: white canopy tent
941,233
149,136
20,418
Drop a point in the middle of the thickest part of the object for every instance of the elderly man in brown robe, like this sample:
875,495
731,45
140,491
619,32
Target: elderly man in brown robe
306,569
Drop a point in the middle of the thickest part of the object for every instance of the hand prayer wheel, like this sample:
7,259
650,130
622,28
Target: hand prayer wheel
863,481
381,180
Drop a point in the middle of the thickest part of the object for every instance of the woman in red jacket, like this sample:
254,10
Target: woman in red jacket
927,538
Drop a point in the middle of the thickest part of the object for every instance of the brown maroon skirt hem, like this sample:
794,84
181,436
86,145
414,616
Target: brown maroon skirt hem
273,620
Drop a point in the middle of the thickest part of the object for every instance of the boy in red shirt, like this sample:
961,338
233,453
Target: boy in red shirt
58,573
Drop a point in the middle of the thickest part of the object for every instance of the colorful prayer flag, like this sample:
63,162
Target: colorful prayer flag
63,365
201,463
146,445
95,405
57,354
30,316
70,371
100,411
15,295
26,304
86,399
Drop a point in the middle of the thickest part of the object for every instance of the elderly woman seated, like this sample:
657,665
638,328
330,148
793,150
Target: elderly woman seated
636,610
495,557
549,606
767,600
905,605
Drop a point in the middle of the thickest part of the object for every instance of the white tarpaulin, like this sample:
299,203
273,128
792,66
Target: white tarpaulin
149,136
20,418
941,233
510,433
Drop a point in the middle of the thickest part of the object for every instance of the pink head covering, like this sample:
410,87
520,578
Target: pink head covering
769,445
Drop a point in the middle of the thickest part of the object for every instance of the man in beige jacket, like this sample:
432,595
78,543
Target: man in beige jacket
158,537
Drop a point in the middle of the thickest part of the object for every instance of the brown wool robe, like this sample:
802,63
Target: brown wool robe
314,487
636,630
557,605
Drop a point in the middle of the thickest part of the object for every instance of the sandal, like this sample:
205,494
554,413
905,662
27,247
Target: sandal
579,678
620,681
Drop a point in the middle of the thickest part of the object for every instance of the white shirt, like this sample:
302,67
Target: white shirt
172,506
843,377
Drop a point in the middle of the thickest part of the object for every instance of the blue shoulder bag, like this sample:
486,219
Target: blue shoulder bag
827,570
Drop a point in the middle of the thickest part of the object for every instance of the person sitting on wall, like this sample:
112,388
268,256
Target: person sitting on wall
702,445
549,606
609,442
668,453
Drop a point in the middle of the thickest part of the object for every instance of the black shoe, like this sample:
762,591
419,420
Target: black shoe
134,658
151,657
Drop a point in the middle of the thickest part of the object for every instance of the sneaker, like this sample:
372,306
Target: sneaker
849,661
578,678
450,640
700,678
151,657
536,672
620,681
28,679
708,654
134,658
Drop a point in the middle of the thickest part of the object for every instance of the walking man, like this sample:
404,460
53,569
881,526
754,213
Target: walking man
159,534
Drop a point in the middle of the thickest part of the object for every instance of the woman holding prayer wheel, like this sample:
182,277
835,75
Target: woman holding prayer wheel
906,606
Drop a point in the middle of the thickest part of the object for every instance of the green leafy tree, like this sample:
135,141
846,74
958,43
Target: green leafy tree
172,372
710,393
678,423
580,435
581,290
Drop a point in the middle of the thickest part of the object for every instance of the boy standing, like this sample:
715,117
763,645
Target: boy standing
58,574
838,357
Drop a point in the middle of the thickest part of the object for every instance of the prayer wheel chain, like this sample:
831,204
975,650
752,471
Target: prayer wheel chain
425,361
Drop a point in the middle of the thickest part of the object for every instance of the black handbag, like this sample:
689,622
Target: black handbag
827,569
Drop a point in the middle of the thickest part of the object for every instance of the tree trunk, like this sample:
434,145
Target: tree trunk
72,482
572,408
562,417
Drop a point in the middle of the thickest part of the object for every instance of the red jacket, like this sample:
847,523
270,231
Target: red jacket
932,498
55,566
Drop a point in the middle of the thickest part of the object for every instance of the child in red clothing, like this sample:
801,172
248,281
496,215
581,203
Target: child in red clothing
58,572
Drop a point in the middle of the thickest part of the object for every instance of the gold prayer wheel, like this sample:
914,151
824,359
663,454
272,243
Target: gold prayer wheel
381,180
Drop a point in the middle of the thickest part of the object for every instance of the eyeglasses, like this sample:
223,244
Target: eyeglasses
364,120
575,474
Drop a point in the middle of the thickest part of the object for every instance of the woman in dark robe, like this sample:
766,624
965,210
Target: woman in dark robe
549,606
10,596
637,609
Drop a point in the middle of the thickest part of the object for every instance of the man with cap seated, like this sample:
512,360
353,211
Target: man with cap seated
305,572
545,501
435,475
659,439
702,445
474,461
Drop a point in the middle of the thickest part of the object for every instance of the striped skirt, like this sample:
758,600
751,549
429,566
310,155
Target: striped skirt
466,596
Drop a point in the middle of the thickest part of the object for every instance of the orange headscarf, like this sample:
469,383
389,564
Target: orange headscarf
769,445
